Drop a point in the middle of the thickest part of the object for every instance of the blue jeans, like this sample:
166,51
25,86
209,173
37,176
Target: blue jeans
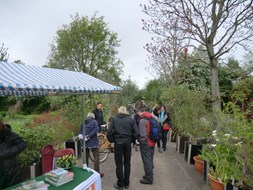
164,139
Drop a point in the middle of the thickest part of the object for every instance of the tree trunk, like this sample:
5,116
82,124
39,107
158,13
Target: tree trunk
215,85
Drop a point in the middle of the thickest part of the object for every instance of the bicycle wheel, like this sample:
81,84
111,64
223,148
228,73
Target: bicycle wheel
104,154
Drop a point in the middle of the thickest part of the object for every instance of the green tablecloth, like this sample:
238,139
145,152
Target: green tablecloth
80,175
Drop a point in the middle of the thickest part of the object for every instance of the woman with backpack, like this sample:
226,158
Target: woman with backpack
166,123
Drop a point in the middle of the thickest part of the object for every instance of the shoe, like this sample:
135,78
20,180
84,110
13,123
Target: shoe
164,149
102,174
126,186
146,181
160,150
144,177
117,187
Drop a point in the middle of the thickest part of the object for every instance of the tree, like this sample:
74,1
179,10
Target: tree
86,45
4,56
129,93
194,73
153,91
228,73
164,50
218,25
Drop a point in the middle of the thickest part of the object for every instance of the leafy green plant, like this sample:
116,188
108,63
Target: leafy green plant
190,113
244,155
36,138
224,163
233,139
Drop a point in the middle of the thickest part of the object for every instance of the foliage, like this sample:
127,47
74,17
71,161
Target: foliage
36,138
34,104
63,129
164,50
129,93
189,111
153,91
234,133
86,45
219,26
195,72
244,155
66,161
224,163
6,102
228,73
242,95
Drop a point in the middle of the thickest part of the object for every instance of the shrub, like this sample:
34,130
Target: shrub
36,138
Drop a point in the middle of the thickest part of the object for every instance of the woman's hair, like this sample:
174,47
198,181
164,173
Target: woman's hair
123,109
164,107
156,108
92,115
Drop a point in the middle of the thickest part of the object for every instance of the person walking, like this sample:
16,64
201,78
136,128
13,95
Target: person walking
11,144
123,129
91,140
98,112
146,145
166,123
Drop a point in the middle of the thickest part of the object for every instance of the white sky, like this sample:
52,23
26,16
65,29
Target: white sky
28,27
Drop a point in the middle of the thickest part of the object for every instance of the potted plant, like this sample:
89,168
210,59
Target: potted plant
36,138
190,116
224,165
66,162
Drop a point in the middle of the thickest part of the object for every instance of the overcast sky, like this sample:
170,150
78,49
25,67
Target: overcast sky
29,26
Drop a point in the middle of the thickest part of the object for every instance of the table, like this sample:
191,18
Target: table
83,180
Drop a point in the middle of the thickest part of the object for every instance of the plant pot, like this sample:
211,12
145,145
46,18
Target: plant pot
215,184
30,172
191,150
235,186
180,144
199,164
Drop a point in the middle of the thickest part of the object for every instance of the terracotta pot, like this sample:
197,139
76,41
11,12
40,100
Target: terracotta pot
215,184
199,164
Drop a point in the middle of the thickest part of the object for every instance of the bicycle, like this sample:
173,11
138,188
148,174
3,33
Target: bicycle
105,147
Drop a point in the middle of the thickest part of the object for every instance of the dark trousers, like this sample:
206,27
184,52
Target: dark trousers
164,139
122,156
95,153
147,155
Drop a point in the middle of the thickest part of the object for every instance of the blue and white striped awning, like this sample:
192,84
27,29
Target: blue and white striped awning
25,80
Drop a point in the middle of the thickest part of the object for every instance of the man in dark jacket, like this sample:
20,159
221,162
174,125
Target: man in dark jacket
11,145
91,140
123,128
98,112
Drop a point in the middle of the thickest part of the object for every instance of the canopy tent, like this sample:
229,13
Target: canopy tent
26,80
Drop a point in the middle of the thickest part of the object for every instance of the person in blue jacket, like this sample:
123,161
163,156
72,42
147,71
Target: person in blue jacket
91,140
